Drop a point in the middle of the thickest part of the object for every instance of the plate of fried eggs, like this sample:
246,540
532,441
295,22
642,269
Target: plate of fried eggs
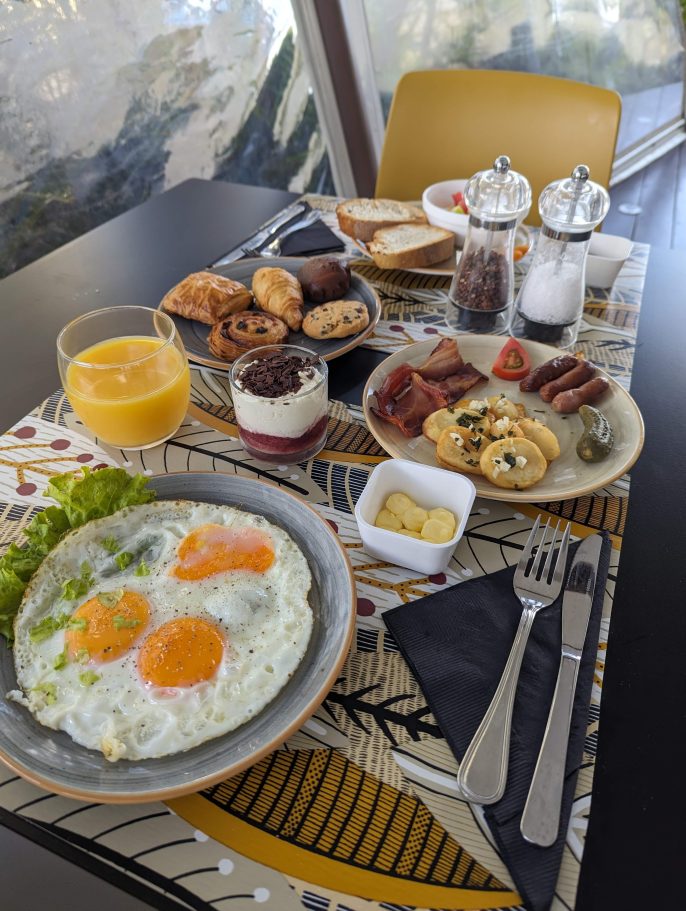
173,644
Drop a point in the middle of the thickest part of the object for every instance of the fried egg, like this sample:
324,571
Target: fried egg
161,627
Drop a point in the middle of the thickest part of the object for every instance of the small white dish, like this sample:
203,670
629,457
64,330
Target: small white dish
430,488
437,201
607,253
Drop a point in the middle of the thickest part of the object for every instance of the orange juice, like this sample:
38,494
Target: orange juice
140,400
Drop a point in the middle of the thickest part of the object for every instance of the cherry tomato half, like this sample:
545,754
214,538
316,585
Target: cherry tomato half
513,362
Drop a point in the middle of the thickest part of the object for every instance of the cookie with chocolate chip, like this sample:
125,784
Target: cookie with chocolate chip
337,319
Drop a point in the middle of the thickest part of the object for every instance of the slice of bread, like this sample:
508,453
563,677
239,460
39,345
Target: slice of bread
360,218
411,246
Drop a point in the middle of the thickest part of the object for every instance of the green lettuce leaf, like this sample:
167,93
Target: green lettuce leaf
82,496
97,493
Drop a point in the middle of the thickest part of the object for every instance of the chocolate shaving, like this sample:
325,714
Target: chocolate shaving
277,374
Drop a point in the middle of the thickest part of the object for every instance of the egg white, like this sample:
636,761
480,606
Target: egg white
265,617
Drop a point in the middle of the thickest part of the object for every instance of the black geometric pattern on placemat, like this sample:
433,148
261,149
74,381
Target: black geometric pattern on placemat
340,479
603,513
591,743
367,640
55,407
363,712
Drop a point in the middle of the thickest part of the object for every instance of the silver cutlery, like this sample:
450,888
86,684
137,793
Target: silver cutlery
483,771
540,821
266,232
273,248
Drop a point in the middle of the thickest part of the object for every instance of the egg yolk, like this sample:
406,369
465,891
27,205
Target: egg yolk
181,652
106,632
212,549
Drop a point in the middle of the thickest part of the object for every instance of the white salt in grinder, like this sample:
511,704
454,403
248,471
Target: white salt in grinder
550,302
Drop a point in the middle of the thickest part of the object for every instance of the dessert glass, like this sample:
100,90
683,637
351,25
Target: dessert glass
280,424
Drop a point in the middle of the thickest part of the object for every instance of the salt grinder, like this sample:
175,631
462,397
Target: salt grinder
550,302
482,288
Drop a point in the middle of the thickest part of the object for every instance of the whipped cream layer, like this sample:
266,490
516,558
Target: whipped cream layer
289,415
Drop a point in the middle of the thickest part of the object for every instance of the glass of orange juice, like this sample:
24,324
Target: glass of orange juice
126,375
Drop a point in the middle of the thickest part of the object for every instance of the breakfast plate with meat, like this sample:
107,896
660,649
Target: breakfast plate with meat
552,428
165,633
317,303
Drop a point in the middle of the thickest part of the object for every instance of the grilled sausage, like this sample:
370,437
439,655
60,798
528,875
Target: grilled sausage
571,399
547,372
572,379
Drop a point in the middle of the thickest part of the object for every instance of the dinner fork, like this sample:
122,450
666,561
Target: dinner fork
273,248
483,771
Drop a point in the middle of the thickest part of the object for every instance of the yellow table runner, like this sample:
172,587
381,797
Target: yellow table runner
359,809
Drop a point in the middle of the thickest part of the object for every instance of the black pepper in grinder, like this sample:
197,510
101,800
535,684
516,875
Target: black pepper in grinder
483,285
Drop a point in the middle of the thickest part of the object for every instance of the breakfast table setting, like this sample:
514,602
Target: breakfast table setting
432,733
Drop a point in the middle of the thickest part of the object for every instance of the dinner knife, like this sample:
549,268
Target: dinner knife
266,232
541,818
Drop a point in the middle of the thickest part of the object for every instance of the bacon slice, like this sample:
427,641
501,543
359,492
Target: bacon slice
455,386
393,386
443,361
409,410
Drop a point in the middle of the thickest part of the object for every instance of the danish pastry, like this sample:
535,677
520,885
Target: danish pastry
206,297
242,331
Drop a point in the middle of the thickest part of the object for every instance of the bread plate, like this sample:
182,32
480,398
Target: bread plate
194,335
447,266
52,760
566,477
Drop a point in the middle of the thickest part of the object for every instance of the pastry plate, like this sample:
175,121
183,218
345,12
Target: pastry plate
447,266
195,335
51,759
568,476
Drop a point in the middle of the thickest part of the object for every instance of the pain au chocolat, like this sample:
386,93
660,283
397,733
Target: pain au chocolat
207,298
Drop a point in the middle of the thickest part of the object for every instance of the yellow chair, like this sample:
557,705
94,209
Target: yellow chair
448,124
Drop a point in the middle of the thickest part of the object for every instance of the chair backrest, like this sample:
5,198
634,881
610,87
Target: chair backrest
448,124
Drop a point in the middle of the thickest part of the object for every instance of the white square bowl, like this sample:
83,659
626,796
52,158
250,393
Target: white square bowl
430,488
607,253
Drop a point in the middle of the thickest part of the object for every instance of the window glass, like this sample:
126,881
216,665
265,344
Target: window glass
105,102
633,46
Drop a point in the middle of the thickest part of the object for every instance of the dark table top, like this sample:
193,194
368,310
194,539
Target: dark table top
635,839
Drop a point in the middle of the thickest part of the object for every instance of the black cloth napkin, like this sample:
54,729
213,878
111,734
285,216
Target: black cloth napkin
456,643
312,240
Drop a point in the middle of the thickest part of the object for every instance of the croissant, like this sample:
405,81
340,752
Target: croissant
242,331
206,297
278,292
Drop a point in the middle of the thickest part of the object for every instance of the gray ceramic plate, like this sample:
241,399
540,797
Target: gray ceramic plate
53,761
194,334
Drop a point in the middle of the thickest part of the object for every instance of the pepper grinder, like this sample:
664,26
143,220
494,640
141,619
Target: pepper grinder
550,302
482,288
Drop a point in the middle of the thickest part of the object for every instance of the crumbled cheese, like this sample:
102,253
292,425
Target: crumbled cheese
502,425
457,439
478,404
521,461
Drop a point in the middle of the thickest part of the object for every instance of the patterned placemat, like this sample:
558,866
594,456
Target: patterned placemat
359,809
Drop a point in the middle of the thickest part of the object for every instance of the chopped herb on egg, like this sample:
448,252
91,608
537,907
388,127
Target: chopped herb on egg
111,544
60,661
122,623
110,599
83,655
123,559
79,623
88,678
48,691
142,569
47,626
73,589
